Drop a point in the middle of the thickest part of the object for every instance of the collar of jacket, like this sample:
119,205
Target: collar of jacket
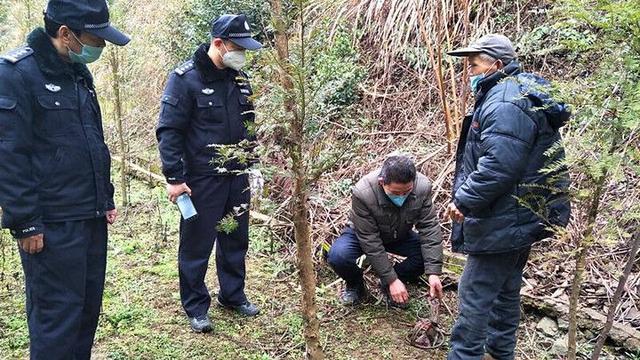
512,69
50,62
207,68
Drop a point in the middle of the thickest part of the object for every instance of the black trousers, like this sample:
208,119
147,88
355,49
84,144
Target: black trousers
214,197
489,303
346,250
64,286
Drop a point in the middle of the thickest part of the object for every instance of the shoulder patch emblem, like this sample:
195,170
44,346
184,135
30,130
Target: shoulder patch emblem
18,54
184,68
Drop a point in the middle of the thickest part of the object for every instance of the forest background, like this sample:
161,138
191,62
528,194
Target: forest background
373,78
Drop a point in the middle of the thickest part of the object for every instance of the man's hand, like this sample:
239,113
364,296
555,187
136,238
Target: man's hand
398,292
435,287
454,213
112,215
176,190
32,244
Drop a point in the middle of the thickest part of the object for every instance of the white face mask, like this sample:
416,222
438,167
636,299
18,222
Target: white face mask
234,59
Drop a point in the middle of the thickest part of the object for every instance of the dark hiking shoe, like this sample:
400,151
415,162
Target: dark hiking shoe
389,301
353,295
201,324
246,309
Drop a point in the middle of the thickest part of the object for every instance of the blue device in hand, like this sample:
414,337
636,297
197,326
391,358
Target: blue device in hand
186,207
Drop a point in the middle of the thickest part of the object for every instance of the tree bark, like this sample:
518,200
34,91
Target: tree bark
114,61
616,297
295,148
307,271
581,259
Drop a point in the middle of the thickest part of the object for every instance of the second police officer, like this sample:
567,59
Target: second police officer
207,103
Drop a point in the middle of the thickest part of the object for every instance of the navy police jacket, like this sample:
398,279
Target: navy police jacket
54,163
500,184
203,107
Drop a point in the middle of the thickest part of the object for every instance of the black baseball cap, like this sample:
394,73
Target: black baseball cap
91,16
236,29
495,45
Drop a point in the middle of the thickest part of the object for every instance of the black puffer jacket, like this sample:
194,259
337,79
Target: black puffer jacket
499,184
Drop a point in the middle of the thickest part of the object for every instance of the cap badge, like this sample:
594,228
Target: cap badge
246,25
53,88
208,91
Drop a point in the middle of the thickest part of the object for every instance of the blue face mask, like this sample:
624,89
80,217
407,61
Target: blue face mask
88,54
397,200
475,82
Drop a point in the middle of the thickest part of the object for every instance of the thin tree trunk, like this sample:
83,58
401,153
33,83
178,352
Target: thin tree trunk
617,296
114,61
465,71
300,197
307,271
436,63
581,258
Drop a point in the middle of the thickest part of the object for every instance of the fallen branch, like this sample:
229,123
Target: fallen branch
140,173
617,296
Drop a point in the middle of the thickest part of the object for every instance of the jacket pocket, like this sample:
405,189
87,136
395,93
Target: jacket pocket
52,166
7,103
386,232
412,215
210,109
57,113
7,117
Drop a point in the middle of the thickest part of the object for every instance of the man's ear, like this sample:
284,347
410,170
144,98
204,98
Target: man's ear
64,35
217,42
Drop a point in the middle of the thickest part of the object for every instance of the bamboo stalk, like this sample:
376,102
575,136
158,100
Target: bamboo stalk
437,66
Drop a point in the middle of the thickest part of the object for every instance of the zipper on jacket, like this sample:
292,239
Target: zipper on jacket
86,138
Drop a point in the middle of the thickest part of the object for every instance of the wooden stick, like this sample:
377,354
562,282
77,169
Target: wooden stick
616,298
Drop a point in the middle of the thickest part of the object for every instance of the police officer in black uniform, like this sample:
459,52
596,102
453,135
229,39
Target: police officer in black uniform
55,189
206,103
